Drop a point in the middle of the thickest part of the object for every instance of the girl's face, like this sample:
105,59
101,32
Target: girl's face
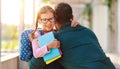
47,20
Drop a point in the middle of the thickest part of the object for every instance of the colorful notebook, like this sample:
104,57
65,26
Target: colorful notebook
53,59
54,53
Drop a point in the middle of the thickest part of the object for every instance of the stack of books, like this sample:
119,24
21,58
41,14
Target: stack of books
54,53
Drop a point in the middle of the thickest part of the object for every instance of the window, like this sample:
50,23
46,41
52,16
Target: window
16,15
10,22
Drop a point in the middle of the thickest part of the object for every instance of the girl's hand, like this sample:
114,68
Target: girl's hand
54,44
74,23
34,35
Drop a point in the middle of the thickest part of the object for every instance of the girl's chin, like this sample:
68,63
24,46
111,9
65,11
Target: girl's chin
48,30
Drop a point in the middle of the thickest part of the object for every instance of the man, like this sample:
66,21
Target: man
80,47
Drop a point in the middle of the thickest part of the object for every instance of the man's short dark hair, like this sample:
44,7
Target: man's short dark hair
63,13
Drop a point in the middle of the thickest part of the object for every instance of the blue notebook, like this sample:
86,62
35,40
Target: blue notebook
44,40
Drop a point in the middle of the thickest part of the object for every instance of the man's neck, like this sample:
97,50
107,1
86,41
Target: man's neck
59,26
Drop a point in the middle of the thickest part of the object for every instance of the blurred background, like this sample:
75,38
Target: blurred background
101,16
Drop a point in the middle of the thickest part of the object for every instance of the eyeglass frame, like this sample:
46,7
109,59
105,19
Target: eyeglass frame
52,19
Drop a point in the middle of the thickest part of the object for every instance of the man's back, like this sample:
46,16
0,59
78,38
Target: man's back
81,48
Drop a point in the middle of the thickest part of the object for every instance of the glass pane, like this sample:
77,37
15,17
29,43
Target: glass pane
10,21
28,13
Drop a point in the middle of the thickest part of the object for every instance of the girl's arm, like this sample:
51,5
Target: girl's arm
38,51
41,51
74,23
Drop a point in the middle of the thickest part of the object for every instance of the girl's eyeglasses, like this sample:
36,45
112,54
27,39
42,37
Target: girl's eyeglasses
46,20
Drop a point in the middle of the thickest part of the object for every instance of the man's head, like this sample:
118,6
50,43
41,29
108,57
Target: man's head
63,13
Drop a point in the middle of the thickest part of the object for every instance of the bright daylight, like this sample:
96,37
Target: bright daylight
46,34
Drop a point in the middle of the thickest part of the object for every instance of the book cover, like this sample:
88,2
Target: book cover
53,59
54,52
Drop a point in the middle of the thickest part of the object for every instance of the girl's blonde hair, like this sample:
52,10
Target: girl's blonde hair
43,10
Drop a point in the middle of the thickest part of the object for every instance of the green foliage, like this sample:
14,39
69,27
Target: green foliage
88,11
9,37
10,32
87,14
109,3
45,1
9,44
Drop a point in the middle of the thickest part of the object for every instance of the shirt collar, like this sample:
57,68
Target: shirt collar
67,24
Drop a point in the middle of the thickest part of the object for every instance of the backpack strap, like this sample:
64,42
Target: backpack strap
41,32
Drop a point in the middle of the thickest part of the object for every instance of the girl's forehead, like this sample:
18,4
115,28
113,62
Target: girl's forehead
47,15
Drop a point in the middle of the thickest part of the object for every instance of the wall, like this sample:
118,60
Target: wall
10,61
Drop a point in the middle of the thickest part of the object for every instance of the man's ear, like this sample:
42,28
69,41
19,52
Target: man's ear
71,18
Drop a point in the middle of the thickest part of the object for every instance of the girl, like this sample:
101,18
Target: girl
47,19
